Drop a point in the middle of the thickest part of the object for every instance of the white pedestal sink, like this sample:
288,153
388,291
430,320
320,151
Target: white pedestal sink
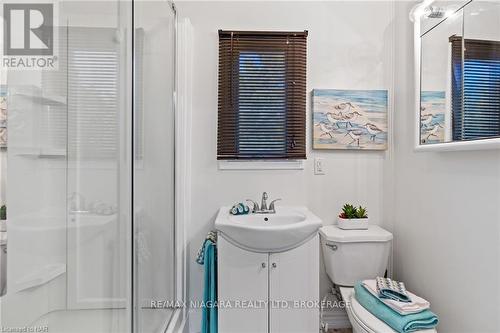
289,227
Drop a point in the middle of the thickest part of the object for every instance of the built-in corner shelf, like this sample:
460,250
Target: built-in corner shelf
40,277
41,153
45,99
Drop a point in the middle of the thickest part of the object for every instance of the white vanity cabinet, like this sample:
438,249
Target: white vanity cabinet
241,276
268,292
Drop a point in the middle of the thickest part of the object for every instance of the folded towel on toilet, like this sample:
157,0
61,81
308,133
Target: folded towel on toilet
403,324
416,304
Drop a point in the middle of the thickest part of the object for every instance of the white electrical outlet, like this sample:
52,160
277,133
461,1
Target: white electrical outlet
318,166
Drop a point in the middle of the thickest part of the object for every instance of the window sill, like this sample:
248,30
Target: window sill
261,165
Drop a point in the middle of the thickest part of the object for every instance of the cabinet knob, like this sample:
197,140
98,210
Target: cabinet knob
274,265
263,265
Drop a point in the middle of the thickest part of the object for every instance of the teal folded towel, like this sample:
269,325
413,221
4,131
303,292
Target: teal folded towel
408,323
209,311
239,209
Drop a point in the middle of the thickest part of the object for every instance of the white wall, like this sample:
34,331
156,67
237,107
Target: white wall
345,51
446,214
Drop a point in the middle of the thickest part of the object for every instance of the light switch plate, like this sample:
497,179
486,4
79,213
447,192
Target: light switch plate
319,166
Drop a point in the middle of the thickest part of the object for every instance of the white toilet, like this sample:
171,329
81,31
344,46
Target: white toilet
354,255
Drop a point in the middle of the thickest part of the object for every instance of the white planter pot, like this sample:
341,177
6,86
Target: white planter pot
353,224
3,225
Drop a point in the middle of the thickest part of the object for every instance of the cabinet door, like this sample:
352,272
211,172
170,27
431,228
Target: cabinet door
242,277
294,277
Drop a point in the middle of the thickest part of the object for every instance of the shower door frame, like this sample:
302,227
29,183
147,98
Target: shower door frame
182,171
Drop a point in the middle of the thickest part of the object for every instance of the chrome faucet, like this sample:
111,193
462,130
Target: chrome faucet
263,209
263,202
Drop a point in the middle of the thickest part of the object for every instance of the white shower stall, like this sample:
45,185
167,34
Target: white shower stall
90,174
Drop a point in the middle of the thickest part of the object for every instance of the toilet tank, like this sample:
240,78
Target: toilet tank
354,255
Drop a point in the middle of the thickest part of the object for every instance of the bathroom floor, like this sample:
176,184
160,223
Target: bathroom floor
340,330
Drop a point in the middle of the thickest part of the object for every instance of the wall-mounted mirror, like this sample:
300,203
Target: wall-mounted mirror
459,73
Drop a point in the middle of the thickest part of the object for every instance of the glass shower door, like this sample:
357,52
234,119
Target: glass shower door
70,180
154,160
99,186
97,222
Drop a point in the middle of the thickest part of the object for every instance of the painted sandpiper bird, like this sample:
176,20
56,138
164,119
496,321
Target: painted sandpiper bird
327,130
426,119
342,106
373,130
335,118
355,135
351,117
431,131
3,103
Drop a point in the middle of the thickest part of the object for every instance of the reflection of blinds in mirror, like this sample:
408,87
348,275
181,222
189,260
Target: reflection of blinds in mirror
479,75
456,89
93,82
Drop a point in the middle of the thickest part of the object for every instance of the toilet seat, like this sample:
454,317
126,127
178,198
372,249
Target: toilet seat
362,320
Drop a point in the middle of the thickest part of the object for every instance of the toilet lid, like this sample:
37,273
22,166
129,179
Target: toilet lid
365,318
374,233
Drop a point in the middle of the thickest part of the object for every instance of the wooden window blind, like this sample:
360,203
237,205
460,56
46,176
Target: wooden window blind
262,95
475,88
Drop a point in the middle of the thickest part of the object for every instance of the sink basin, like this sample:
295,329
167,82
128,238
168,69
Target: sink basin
289,227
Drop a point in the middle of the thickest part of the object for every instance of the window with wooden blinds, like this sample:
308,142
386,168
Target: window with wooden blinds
262,95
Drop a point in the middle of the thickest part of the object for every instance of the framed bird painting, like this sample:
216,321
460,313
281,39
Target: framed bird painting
350,119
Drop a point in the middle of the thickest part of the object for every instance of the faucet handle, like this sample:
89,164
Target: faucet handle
255,205
271,205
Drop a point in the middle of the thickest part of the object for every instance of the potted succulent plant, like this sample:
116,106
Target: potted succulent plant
353,217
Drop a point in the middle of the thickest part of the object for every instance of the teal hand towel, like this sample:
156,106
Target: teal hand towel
209,310
402,324
239,209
